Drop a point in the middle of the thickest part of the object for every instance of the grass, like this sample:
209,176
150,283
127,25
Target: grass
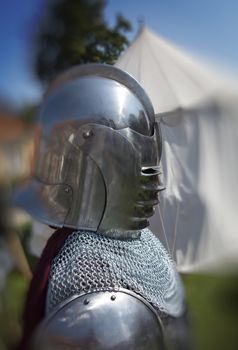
11,306
213,306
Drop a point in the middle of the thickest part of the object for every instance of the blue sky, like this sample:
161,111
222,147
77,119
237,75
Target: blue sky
208,28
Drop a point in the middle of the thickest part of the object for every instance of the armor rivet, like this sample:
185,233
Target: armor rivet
113,297
86,302
87,134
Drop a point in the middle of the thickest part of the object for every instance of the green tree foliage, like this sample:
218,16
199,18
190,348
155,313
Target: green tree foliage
75,32
27,114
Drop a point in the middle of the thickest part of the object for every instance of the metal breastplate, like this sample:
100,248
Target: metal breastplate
89,262
101,321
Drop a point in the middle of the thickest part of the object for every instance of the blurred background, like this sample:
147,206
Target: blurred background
40,38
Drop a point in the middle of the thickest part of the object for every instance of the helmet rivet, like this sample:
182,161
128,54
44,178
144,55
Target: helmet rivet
86,302
87,134
113,297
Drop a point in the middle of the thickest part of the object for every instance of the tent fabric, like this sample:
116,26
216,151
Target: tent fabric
197,216
171,78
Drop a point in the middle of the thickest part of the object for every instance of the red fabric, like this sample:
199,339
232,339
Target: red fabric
36,297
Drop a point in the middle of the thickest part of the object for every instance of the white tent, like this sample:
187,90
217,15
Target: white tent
197,219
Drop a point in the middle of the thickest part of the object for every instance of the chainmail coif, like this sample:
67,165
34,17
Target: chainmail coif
89,262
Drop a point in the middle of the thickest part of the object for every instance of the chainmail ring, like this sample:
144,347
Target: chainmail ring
90,262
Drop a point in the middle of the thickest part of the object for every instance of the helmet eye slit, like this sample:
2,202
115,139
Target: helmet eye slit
149,171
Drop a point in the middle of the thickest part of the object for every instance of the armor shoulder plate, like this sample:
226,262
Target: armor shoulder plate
102,320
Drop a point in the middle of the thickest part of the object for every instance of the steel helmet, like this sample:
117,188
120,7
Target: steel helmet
97,161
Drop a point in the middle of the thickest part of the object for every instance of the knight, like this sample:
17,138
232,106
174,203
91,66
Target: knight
104,281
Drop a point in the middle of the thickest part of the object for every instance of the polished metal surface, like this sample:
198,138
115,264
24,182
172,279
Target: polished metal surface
101,321
99,150
123,79
94,99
